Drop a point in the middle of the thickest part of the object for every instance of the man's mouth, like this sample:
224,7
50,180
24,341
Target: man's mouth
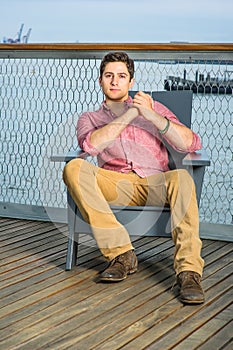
114,90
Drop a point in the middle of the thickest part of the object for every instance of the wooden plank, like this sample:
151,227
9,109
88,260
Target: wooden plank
214,334
42,277
163,327
69,312
28,312
117,340
198,320
21,233
114,311
16,228
228,346
30,269
29,244
73,318
128,321
39,252
4,222
45,306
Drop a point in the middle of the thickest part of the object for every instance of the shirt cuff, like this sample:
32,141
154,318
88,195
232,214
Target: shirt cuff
88,147
196,144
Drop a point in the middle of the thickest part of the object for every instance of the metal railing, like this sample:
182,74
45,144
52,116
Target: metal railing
43,89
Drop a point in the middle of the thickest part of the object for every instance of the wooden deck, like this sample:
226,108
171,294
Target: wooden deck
42,306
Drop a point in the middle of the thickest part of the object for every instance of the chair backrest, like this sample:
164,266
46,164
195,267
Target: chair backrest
179,102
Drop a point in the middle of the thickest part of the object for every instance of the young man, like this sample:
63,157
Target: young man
127,137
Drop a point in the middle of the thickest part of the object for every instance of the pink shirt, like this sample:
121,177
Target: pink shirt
138,148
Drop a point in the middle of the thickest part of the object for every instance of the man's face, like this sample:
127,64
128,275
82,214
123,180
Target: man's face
115,82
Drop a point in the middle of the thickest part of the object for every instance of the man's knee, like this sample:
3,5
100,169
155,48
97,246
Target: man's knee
71,170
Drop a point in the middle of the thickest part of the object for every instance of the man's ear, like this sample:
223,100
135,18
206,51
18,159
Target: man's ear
100,81
131,83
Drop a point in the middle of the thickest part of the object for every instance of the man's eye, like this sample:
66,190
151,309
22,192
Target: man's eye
122,76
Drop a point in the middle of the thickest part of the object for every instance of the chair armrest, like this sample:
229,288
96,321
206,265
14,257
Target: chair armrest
66,157
198,158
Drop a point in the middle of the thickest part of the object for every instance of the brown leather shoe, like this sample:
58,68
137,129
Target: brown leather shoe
190,288
118,269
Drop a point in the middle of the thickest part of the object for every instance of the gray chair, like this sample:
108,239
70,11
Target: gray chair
148,220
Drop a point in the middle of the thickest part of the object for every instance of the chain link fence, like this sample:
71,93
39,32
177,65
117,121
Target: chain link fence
41,98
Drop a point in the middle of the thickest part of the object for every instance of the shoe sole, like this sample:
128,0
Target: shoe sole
189,302
105,279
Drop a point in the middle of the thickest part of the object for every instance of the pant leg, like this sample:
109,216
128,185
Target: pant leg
176,188
181,197
92,189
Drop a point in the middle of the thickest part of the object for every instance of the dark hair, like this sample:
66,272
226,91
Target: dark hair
118,57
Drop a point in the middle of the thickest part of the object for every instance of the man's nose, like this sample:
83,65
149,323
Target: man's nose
115,80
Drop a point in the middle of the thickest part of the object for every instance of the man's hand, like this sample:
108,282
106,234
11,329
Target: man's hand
144,104
142,101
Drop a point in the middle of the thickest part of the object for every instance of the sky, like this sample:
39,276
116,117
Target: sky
118,21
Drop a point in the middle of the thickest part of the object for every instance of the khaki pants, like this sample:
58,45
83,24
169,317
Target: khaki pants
94,189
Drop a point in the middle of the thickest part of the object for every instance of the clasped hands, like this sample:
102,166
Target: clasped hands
142,100
143,104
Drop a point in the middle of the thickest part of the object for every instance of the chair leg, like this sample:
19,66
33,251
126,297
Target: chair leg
72,251
72,248
198,177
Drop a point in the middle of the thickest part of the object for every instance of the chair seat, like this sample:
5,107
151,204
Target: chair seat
138,220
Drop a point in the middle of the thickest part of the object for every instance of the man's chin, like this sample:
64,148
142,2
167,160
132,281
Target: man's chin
116,97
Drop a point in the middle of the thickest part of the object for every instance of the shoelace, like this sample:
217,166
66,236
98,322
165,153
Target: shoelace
189,275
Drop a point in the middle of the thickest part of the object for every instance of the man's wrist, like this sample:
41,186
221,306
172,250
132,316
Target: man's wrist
132,112
163,131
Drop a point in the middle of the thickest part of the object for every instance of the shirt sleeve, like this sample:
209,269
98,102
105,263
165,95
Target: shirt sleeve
165,112
84,129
